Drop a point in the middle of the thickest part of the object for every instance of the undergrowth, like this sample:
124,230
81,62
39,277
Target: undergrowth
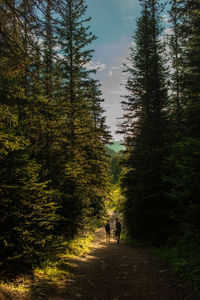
184,258
181,255
52,273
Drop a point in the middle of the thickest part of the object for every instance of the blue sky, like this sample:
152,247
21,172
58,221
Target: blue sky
113,22
112,19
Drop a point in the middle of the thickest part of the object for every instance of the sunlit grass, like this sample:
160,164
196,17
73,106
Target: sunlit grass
14,288
77,247
51,273
54,272
58,271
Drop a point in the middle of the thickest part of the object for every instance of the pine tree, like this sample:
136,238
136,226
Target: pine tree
190,41
96,161
79,121
176,56
28,206
54,171
183,160
146,208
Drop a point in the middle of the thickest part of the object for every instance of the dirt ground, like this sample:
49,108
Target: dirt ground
114,271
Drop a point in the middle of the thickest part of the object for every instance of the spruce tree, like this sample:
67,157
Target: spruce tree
96,161
189,18
184,156
54,171
28,206
177,70
79,122
146,208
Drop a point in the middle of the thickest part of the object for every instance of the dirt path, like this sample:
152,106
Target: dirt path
119,272
112,271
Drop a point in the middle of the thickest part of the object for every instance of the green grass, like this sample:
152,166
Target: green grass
184,259
77,246
58,270
53,272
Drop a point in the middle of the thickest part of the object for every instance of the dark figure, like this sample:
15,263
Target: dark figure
118,228
107,229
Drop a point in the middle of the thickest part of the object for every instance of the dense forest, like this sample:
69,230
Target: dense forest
114,150
54,170
161,179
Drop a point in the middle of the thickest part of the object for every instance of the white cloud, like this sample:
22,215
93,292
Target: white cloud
59,56
115,68
116,92
168,31
165,19
133,44
120,91
95,66
128,18
113,55
57,48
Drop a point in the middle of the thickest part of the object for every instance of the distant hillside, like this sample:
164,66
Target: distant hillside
110,152
116,146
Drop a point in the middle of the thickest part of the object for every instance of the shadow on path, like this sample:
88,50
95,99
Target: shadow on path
114,271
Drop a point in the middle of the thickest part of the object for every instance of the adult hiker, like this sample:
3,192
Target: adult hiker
118,228
107,229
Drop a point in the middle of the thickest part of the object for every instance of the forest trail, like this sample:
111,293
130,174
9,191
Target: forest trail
114,271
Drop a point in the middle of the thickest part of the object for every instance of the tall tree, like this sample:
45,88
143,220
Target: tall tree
28,206
146,114
79,99
177,70
52,127
183,160
189,17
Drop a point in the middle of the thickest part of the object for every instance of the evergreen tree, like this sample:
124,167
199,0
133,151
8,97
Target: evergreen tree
96,161
115,168
28,206
183,160
177,59
189,18
80,123
54,171
146,208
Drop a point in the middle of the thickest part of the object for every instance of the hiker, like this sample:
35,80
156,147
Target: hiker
115,214
107,229
118,228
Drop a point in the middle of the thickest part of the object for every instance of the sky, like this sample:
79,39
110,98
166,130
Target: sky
113,22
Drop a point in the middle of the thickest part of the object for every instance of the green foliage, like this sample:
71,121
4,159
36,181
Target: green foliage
115,168
110,152
145,126
28,209
116,201
53,167
52,271
160,176
184,182
183,256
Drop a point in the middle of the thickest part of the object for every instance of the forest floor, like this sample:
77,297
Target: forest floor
112,271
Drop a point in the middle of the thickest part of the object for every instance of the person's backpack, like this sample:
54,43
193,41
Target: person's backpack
107,226
118,226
